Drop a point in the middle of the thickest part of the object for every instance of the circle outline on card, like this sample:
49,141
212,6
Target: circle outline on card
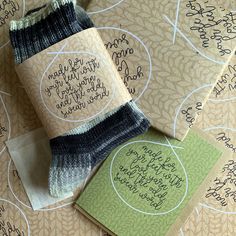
79,52
145,48
23,13
129,205
186,99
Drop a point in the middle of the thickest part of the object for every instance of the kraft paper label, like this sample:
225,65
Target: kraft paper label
72,82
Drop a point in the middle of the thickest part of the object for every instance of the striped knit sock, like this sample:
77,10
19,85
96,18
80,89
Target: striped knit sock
75,153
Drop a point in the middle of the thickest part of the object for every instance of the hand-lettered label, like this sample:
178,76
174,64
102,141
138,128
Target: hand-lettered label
148,177
75,82
75,88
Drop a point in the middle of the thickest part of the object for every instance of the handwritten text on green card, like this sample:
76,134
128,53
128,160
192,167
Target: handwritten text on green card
146,178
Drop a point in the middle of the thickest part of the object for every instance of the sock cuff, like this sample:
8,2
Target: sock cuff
128,115
83,18
90,124
54,23
46,26
39,15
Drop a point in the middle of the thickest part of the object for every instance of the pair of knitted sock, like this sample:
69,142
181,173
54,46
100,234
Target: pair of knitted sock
78,151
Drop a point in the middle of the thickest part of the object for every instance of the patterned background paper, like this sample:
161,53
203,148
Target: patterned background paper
172,51
216,212
209,217
17,117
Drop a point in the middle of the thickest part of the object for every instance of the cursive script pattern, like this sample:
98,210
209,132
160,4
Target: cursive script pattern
191,112
227,82
121,50
150,176
222,137
3,130
6,227
212,29
223,190
8,9
74,86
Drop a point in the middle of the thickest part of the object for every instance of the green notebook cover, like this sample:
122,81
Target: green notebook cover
147,184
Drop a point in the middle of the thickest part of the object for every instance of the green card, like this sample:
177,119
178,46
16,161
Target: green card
146,184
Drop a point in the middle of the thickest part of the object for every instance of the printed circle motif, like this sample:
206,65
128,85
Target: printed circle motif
74,91
148,179
131,58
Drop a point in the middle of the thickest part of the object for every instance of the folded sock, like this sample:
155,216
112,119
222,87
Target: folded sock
86,150
76,152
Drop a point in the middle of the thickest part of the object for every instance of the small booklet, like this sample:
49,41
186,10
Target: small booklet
149,185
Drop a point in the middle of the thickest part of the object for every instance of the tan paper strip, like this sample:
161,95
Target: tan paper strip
72,81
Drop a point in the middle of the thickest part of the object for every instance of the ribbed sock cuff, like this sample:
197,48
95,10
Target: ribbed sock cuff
125,117
43,28
90,124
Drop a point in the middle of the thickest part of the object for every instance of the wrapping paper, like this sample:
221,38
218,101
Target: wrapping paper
216,211
169,53
17,117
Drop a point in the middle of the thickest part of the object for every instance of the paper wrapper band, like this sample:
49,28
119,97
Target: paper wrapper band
72,82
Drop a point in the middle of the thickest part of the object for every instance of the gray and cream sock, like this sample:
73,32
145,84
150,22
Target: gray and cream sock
78,151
